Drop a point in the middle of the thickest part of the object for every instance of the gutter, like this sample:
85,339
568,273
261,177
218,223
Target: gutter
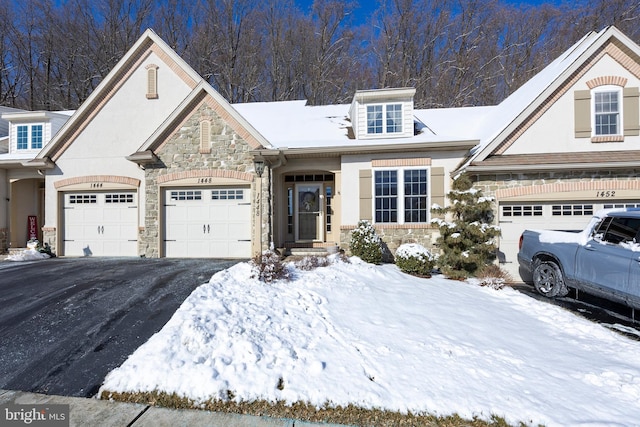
366,149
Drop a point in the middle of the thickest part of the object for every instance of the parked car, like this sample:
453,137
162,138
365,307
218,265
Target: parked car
603,259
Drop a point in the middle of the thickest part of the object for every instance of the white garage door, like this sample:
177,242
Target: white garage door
207,222
101,224
567,216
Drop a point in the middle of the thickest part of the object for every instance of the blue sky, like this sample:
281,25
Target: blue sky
368,6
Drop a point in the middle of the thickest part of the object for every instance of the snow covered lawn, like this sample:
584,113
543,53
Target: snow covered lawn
354,333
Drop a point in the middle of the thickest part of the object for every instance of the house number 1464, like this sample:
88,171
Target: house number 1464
605,194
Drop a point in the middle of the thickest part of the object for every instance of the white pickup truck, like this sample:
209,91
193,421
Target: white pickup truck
603,259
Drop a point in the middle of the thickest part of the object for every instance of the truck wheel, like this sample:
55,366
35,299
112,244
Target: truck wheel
548,280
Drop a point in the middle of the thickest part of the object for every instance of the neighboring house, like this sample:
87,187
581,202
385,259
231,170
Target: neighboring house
22,135
156,163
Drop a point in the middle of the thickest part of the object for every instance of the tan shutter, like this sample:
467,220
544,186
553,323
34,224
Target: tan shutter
437,186
205,137
152,83
366,195
582,104
631,111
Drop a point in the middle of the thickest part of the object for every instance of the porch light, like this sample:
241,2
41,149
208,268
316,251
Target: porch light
258,164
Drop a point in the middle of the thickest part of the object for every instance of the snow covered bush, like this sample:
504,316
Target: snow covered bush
467,241
415,259
268,267
365,243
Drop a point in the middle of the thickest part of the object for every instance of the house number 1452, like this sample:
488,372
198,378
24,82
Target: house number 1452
605,194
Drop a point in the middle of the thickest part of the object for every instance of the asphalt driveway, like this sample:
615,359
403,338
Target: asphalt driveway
66,322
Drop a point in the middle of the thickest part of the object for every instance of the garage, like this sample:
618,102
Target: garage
567,216
100,223
207,222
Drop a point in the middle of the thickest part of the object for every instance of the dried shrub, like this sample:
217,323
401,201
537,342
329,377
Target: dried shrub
268,267
309,263
493,276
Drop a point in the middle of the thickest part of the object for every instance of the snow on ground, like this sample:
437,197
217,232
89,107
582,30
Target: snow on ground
28,255
374,337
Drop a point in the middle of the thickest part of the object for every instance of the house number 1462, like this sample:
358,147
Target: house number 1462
605,194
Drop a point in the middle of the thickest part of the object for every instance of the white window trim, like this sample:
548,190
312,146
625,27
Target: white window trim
607,88
401,194
384,119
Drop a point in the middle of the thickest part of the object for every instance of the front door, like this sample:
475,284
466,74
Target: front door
309,212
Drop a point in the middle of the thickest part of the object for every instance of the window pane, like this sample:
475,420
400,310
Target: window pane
36,136
386,199
374,119
394,118
23,137
607,113
415,195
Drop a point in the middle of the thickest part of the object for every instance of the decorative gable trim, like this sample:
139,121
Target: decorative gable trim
152,81
147,44
610,49
205,137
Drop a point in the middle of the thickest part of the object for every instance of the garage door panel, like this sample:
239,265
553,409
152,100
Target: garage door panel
564,216
100,224
207,223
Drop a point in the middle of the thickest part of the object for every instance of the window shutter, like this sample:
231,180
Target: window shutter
366,195
205,137
437,186
152,83
631,120
582,105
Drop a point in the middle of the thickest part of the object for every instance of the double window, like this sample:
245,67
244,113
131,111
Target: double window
384,118
607,109
29,137
401,196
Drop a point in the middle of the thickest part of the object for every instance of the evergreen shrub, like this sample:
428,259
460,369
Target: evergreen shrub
415,259
365,243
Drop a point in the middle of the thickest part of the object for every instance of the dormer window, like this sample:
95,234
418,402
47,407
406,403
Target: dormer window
29,137
386,118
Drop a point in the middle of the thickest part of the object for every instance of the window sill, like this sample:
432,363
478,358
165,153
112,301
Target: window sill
607,138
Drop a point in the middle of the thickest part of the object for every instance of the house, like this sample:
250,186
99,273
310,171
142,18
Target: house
156,163
22,135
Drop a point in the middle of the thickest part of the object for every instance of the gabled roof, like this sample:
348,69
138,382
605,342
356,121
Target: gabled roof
107,87
202,93
505,119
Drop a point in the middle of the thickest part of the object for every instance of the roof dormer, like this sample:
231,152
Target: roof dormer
382,113
29,131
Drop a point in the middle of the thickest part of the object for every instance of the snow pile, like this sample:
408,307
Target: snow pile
28,255
372,336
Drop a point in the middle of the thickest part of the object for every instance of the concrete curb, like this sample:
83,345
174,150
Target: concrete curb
103,413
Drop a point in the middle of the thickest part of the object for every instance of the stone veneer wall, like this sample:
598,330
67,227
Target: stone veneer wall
395,235
182,152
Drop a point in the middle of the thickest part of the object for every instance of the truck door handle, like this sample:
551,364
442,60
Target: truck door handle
590,248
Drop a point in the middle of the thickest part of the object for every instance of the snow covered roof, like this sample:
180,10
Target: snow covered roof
294,124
